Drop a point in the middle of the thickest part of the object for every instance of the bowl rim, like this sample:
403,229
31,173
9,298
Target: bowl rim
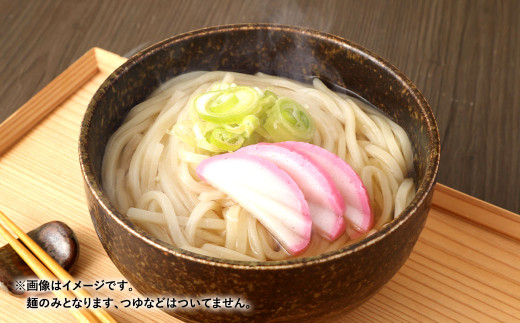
423,189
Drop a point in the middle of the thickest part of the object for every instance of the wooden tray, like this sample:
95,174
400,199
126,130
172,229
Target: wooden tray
465,266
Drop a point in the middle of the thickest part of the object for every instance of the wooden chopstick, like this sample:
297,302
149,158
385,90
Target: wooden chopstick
43,273
42,270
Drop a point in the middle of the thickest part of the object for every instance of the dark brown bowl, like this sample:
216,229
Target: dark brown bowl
283,290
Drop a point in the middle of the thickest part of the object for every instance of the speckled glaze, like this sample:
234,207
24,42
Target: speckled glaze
305,289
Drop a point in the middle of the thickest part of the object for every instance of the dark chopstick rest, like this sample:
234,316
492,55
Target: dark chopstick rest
56,238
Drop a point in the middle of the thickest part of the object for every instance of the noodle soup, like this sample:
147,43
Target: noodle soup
149,173
310,288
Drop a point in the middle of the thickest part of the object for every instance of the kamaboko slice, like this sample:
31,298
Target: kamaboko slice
325,202
358,212
264,190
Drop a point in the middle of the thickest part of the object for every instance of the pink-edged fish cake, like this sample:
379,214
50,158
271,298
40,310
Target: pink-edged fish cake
266,191
326,204
358,212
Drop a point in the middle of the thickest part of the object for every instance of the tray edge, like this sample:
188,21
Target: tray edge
56,92
476,211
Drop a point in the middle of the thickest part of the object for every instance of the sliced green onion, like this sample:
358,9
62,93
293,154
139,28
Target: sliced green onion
229,116
202,131
253,139
270,93
227,106
267,101
221,86
248,125
262,132
225,140
287,120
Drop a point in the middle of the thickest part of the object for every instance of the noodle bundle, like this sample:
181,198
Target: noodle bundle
149,173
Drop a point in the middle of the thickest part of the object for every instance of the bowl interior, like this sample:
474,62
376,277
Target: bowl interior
292,52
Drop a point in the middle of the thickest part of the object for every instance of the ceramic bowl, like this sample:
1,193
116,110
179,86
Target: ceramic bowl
308,288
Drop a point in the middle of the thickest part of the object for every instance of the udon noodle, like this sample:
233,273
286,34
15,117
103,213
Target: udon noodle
149,174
